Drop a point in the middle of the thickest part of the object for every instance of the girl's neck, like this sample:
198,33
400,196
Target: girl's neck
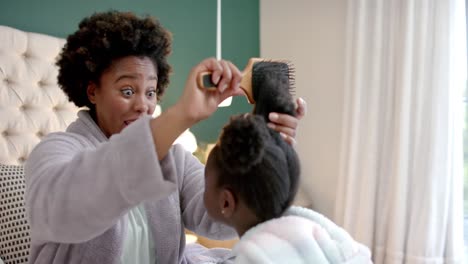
244,219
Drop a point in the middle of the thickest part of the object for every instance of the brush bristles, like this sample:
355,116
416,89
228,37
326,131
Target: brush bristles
290,72
272,87
292,77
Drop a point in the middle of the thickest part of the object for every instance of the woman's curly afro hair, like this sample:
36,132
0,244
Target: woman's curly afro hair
104,37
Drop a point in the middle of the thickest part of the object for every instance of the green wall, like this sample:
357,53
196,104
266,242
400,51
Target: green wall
192,23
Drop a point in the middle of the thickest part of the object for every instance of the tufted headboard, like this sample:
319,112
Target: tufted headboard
31,106
31,103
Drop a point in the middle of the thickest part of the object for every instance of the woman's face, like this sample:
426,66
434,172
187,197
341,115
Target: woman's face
127,91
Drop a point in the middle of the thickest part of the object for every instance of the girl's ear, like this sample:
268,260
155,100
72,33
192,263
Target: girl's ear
91,92
227,203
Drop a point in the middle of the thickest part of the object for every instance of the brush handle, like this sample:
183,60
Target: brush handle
204,81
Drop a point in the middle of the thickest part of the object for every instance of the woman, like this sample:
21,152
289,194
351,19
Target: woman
112,188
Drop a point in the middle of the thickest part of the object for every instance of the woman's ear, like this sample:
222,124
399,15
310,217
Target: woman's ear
91,92
227,203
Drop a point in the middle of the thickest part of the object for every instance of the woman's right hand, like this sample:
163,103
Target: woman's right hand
199,103
196,103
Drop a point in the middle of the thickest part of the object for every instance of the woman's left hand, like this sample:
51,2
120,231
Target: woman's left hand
285,124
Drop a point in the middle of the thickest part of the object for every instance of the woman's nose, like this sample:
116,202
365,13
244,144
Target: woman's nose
141,104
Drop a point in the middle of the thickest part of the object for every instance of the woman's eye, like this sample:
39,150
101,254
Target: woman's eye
127,92
151,93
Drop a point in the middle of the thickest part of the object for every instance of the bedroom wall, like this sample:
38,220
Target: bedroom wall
311,33
193,24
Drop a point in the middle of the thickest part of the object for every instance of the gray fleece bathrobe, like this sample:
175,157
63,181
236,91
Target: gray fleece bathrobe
80,184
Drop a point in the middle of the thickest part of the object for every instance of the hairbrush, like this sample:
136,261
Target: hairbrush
261,80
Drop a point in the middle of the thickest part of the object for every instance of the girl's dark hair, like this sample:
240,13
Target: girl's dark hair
104,37
258,165
272,83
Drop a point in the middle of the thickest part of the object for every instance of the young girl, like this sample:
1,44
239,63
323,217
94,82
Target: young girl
251,179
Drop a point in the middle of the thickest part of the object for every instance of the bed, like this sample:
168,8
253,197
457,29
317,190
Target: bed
31,106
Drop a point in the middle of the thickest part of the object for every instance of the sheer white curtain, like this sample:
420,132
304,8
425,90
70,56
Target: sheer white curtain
401,168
